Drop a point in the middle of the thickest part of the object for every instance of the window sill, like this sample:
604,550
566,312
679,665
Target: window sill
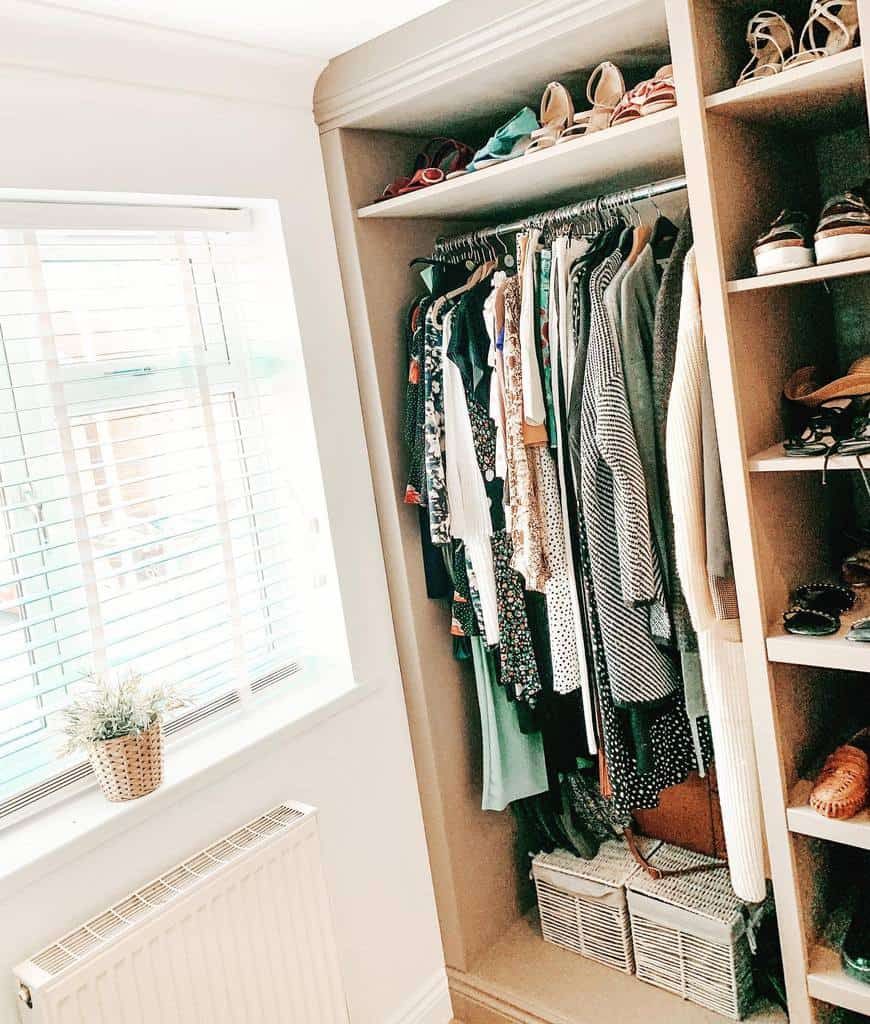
40,843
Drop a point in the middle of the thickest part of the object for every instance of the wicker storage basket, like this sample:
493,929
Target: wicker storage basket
129,766
582,902
689,932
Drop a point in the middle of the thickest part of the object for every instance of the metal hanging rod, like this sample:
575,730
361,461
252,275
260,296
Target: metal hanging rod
563,214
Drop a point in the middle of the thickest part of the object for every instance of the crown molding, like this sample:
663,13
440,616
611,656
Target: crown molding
357,84
49,38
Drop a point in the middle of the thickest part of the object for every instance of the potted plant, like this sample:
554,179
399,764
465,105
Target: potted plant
117,722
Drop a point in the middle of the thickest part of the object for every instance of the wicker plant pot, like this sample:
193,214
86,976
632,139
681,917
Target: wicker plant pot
130,766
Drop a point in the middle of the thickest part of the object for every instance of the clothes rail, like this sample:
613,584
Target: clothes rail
562,214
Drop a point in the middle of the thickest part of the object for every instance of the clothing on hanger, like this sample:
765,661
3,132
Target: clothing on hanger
693,464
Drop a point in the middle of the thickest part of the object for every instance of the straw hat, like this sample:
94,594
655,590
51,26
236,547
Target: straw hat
803,385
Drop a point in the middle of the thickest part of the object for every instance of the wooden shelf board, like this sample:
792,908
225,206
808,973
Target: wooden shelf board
803,820
826,272
834,652
828,92
774,460
828,981
632,154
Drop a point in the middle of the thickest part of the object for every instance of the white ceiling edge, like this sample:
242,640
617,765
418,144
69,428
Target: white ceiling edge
298,27
49,38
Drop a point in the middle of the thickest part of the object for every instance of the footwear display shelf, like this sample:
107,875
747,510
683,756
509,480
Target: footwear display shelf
787,141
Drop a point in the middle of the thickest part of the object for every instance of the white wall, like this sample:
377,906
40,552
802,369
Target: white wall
98,105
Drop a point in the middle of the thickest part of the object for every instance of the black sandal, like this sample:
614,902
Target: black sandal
816,609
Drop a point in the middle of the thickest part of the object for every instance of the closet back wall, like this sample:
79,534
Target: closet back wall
104,105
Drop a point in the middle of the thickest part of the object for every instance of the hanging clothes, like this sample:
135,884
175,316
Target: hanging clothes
525,523
513,763
703,564
625,571
470,515
561,357
663,357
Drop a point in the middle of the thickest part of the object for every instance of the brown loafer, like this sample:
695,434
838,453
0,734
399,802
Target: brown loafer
842,787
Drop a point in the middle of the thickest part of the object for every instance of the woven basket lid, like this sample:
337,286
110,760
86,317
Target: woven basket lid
706,892
612,865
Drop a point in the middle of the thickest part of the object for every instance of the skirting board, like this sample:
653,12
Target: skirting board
429,1005
474,1004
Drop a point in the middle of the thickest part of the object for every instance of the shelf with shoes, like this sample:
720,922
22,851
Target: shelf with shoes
643,150
774,460
805,275
805,821
815,95
832,652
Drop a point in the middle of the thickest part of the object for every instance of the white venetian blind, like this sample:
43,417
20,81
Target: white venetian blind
146,507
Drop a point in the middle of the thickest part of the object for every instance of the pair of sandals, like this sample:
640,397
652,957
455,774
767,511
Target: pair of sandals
839,426
842,233
440,158
609,105
816,609
832,27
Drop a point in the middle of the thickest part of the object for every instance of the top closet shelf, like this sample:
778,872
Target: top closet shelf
828,94
632,154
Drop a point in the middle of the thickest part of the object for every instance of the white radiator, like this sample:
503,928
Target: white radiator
238,933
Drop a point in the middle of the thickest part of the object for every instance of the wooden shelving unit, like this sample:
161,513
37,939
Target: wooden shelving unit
751,151
746,152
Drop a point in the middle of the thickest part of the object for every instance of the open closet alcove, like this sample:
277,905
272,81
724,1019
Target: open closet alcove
787,141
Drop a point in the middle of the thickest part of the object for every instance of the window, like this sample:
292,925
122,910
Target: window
148,513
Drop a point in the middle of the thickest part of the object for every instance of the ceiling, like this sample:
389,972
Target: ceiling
312,28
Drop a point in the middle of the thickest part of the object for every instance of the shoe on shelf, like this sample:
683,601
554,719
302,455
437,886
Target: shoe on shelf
832,27
785,245
844,226
771,43
511,140
649,97
557,113
843,785
604,90
816,609
855,953
823,430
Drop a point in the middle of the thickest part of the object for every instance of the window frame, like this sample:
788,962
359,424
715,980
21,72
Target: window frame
222,379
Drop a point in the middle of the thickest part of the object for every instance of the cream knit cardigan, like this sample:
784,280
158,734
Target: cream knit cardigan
719,645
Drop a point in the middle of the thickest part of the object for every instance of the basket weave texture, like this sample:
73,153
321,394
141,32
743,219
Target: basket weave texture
129,766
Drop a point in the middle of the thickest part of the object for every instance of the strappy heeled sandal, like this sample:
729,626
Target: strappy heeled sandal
434,162
661,93
557,113
604,90
843,785
823,431
444,156
771,42
837,18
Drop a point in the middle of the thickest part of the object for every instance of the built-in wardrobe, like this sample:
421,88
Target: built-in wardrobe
785,141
